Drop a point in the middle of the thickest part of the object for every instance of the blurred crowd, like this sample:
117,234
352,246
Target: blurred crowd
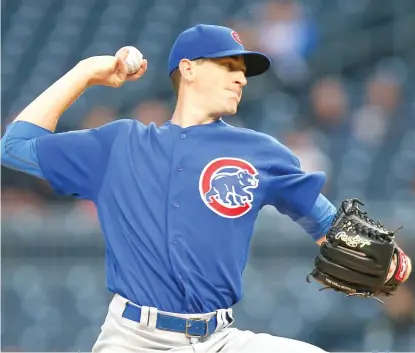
347,111
337,122
362,138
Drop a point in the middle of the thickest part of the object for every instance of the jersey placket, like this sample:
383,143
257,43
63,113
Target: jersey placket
174,215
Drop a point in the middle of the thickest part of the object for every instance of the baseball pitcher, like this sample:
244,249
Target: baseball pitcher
177,203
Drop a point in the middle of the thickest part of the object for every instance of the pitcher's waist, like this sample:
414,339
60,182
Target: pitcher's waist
192,325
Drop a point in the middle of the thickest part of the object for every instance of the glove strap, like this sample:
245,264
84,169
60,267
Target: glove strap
403,264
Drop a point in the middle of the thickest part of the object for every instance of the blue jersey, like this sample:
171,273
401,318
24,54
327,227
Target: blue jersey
177,206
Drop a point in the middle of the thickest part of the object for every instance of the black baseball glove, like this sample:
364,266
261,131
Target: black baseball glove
357,257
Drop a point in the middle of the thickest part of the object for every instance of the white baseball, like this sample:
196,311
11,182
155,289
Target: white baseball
134,59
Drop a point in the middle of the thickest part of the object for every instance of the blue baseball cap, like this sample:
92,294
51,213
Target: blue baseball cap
209,41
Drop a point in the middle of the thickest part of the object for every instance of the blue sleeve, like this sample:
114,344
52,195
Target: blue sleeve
296,193
291,190
75,162
18,150
318,221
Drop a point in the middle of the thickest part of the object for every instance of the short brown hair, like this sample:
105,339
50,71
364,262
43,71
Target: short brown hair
176,77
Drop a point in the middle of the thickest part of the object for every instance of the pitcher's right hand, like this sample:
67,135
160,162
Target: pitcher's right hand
109,71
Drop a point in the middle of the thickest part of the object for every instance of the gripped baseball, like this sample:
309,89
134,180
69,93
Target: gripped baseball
133,60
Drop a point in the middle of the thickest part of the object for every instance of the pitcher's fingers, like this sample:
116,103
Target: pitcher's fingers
121,66
140,72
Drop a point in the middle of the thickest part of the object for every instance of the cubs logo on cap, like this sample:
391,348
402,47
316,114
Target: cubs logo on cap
226,186
235,36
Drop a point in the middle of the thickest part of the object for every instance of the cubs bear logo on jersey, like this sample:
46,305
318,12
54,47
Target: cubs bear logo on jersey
226,186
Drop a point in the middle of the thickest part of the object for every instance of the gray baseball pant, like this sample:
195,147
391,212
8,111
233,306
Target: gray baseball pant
122,335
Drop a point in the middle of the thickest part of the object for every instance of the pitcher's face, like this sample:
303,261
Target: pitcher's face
220,82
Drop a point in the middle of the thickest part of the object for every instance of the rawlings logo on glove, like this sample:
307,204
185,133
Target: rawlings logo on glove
352,241
360,256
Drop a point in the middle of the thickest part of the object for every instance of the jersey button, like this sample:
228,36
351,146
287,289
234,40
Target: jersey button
174,242
180,168
183,136
175,204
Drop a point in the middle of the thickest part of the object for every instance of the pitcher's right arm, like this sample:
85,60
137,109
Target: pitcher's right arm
67,160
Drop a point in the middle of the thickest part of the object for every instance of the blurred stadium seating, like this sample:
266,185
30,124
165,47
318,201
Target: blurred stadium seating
341,94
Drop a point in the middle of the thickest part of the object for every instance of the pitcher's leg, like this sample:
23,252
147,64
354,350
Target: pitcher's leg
238,341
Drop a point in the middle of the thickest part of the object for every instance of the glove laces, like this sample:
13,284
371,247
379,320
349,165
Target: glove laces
368,227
